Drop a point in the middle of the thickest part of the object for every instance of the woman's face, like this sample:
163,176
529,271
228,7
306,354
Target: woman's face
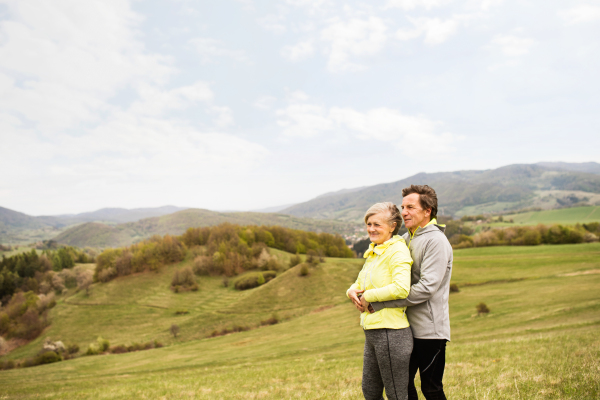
379,229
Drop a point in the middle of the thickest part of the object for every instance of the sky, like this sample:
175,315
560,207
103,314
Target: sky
246,104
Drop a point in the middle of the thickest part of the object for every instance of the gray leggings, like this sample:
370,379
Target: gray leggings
386,360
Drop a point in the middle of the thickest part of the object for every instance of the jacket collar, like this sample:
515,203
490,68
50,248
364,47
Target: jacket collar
431,226
379,249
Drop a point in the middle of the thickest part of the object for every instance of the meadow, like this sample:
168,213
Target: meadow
564,216
540,340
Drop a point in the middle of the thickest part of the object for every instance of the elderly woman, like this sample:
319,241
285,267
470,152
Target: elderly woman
385,276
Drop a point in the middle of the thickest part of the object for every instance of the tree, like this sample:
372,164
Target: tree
84,280
174,330
482,308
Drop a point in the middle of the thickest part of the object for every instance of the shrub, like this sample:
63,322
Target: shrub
252,279
205,265
68,277
4,323
72,348
184,280
135,347
120,349
225,331
460,241
58,283
107,274
454,288
157,344
103,344
174,330
47,357
92,350
295,260
304,271
84,278
272,320
10,364
482,308
312,257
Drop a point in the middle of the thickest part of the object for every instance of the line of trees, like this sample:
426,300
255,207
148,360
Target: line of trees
35,272
224,249
28,284
529,236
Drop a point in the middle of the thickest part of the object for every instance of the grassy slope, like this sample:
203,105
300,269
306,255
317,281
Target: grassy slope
539,341
569,216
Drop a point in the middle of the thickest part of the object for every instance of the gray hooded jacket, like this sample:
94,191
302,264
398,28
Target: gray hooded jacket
427,302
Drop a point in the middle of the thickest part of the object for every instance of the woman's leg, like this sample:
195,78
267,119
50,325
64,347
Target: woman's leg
393,348
372,384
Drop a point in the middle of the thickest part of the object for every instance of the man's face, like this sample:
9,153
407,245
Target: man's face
412,212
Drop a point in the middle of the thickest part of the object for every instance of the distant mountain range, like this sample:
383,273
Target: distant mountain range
514,187
589,167
18,227
544,185
100,235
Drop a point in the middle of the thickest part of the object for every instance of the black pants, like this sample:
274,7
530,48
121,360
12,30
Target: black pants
429,357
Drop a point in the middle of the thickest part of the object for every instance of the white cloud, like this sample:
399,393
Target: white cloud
223,116
583,13
265,102
512,45
434,30
209,49
298,52
412,4
141,150
304,120
273,22
62,61
353,38
154,101
385,125
313,7
61,64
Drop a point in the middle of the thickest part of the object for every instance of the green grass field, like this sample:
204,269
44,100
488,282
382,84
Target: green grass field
540,341
565,216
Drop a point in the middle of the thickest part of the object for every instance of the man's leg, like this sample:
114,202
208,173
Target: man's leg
432,361
412,370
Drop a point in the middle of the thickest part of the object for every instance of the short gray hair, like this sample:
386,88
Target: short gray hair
391,209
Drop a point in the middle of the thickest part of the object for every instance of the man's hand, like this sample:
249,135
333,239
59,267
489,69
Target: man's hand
366,305
353,294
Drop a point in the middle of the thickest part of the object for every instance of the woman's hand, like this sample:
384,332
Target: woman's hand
353,294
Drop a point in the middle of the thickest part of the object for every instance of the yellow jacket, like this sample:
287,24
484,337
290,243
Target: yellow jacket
385,276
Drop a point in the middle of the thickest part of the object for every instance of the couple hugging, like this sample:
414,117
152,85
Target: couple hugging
402,292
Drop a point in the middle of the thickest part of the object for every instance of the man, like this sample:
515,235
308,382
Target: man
427,302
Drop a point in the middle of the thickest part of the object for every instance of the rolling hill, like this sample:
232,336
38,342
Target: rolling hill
101,235
17,227
539,341
460,193
117,215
